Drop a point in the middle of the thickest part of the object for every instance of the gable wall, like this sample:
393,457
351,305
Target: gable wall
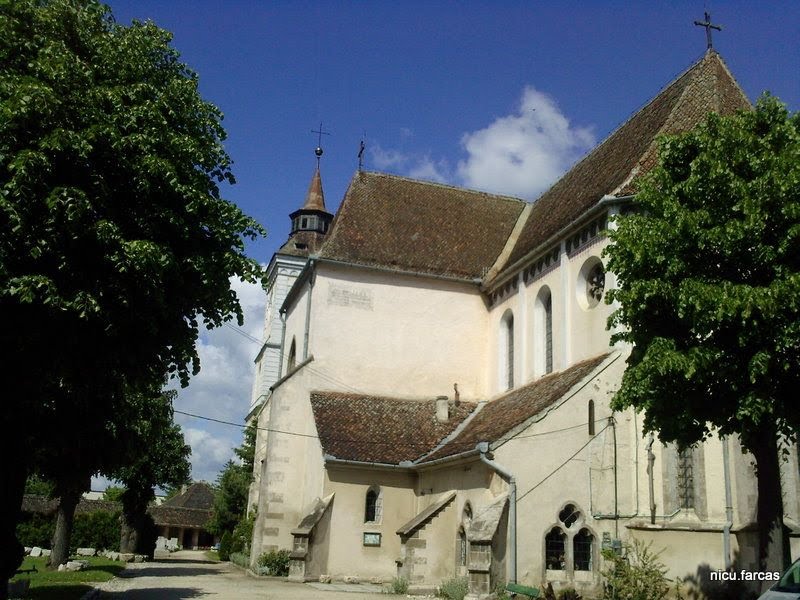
398,335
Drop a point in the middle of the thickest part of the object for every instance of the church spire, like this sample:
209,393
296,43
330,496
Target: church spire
311,222
315,198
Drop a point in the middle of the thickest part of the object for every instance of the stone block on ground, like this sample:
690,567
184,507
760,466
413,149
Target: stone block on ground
45,552
350,579
76,565
62,567
324,578
126,557
28,550
36,551
139,558
86,552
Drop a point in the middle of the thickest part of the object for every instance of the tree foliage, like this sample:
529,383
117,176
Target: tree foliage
114,237
230,499
708,273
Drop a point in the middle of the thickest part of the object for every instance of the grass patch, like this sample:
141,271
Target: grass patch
212,555
66,585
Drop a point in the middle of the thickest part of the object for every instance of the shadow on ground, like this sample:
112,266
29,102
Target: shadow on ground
166,571
155,592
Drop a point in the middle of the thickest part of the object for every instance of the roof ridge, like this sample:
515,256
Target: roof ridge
445,185
633,114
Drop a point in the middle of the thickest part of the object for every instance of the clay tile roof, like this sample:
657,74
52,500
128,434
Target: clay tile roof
617,164
315,199
176,516
199,495
501,415
377,429
417,226
302,243
43,505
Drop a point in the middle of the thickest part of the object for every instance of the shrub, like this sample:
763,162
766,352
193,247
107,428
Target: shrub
637,574
569,594
243,534
225,544
98,529
399,586
274,563
241,559
454,589
35,530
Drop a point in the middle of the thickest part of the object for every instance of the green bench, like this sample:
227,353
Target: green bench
522,590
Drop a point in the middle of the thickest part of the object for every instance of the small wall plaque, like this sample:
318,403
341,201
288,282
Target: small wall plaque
372,539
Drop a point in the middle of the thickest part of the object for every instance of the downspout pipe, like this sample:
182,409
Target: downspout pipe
651,458
726,530
483,449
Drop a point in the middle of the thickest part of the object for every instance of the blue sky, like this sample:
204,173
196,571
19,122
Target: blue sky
501,96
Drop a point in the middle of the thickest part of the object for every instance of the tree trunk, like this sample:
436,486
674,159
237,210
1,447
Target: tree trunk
773,546
129,541
63,532
13,471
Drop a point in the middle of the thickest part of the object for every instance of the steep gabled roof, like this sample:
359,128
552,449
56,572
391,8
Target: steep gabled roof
377,429
615,166
199,496
407,225
501,415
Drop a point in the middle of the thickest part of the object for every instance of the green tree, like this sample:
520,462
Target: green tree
153,454
113,493
230,499
708,272
114,237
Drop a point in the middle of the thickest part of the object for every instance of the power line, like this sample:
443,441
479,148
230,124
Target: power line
559,467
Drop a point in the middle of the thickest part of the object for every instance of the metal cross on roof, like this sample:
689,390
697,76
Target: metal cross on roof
320,132
709,26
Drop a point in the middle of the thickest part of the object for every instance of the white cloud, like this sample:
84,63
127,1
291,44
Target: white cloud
520,154
209,453
223,387
417,166
523,153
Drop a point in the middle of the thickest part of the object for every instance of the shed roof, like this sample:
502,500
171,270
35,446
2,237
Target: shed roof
377,429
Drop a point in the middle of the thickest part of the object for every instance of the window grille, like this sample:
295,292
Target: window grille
686,478
582,550
555,549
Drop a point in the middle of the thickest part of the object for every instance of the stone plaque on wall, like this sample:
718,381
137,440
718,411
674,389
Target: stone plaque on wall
340,295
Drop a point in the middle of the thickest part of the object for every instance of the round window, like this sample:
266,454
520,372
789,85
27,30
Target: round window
591,283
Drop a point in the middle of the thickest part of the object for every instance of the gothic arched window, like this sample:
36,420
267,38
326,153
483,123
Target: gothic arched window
582,550
292,356
507,351
555,551
543,331
373,505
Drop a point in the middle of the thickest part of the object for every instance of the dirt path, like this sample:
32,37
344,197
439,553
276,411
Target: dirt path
188,574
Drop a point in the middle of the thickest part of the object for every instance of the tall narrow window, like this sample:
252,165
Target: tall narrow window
591,417
543,333
685,478
548,329
555,549
292,356
462,547
373,506
506,366
582,550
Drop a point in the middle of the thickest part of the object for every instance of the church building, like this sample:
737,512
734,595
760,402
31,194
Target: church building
433,394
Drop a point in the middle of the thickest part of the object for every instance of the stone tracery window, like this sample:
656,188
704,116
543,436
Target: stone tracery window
582,550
